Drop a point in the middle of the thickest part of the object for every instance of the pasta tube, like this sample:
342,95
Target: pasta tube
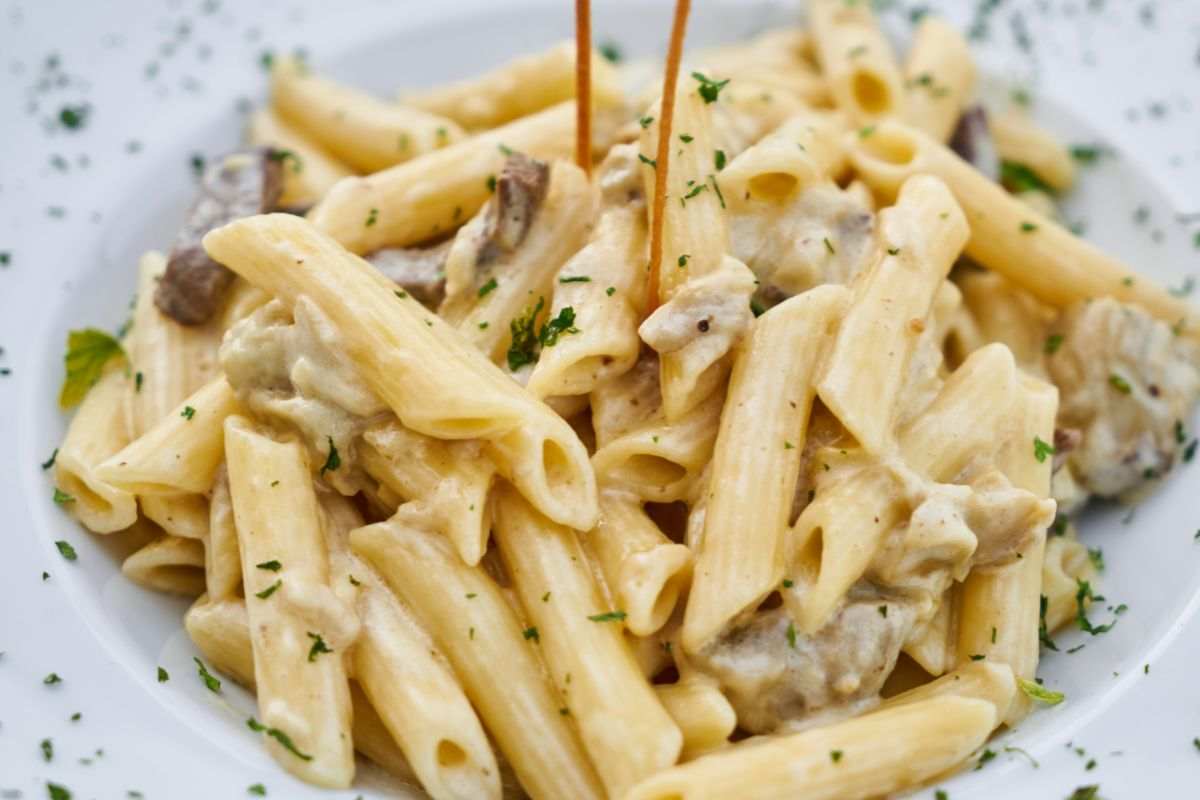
473,624
922,235
756,461
302,688
1032,251
437,384
622,725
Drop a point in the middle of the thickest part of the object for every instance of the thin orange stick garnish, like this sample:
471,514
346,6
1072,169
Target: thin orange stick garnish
583,85
663,154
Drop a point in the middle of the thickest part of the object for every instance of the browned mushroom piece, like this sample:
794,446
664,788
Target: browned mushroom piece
420,271
972,139
240,184
520,189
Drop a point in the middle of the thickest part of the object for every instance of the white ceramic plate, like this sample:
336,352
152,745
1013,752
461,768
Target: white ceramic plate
164,80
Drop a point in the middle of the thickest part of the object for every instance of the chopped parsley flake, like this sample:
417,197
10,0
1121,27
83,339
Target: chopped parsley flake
984,757
270,590
52,679
864,132
333,460
1120,384
372,217
272,565
1028,227
829,246
187,413
1041,449
1096,556
163,677
487,288
57,791
257,789
1043,632
1090,792
611,51
835,756
210,681
686,138
47,750
50,462
65,549
61,498
491,183
1083,593
645,121
1035,691
88,350
709,89
610,291
609,616
318,646
575,279
74,117
719,160
788,583
683,259
650,162
791,635
1017,177
278,736
1053,342
531,633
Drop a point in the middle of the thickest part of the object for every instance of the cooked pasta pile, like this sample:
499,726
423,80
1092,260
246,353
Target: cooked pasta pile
456,485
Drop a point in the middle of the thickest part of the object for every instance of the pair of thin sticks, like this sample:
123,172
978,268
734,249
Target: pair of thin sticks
583,123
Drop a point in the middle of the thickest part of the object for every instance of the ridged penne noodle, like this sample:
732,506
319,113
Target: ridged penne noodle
185,515
624,728
1035,253
169,360
999,606
748,110
221,632
857,61
450,480
474,625
877,753
604,284
439,191
1005,313
299,672
804,149
659,460
934,645
181,453
559,228
646,573
922,235
419,699
702,713
836,536
308,172
520,87
168,564
695,243
756,461
977,680
366,133
1020,140
437,384
776,58
222,558
939,78
96,432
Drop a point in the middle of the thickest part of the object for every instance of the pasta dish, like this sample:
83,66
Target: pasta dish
557,433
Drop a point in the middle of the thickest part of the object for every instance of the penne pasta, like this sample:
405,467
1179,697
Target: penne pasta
1035,253
856,60
436,384
520,87
623,727
366,133
474,625
756,461
300,675
938,77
